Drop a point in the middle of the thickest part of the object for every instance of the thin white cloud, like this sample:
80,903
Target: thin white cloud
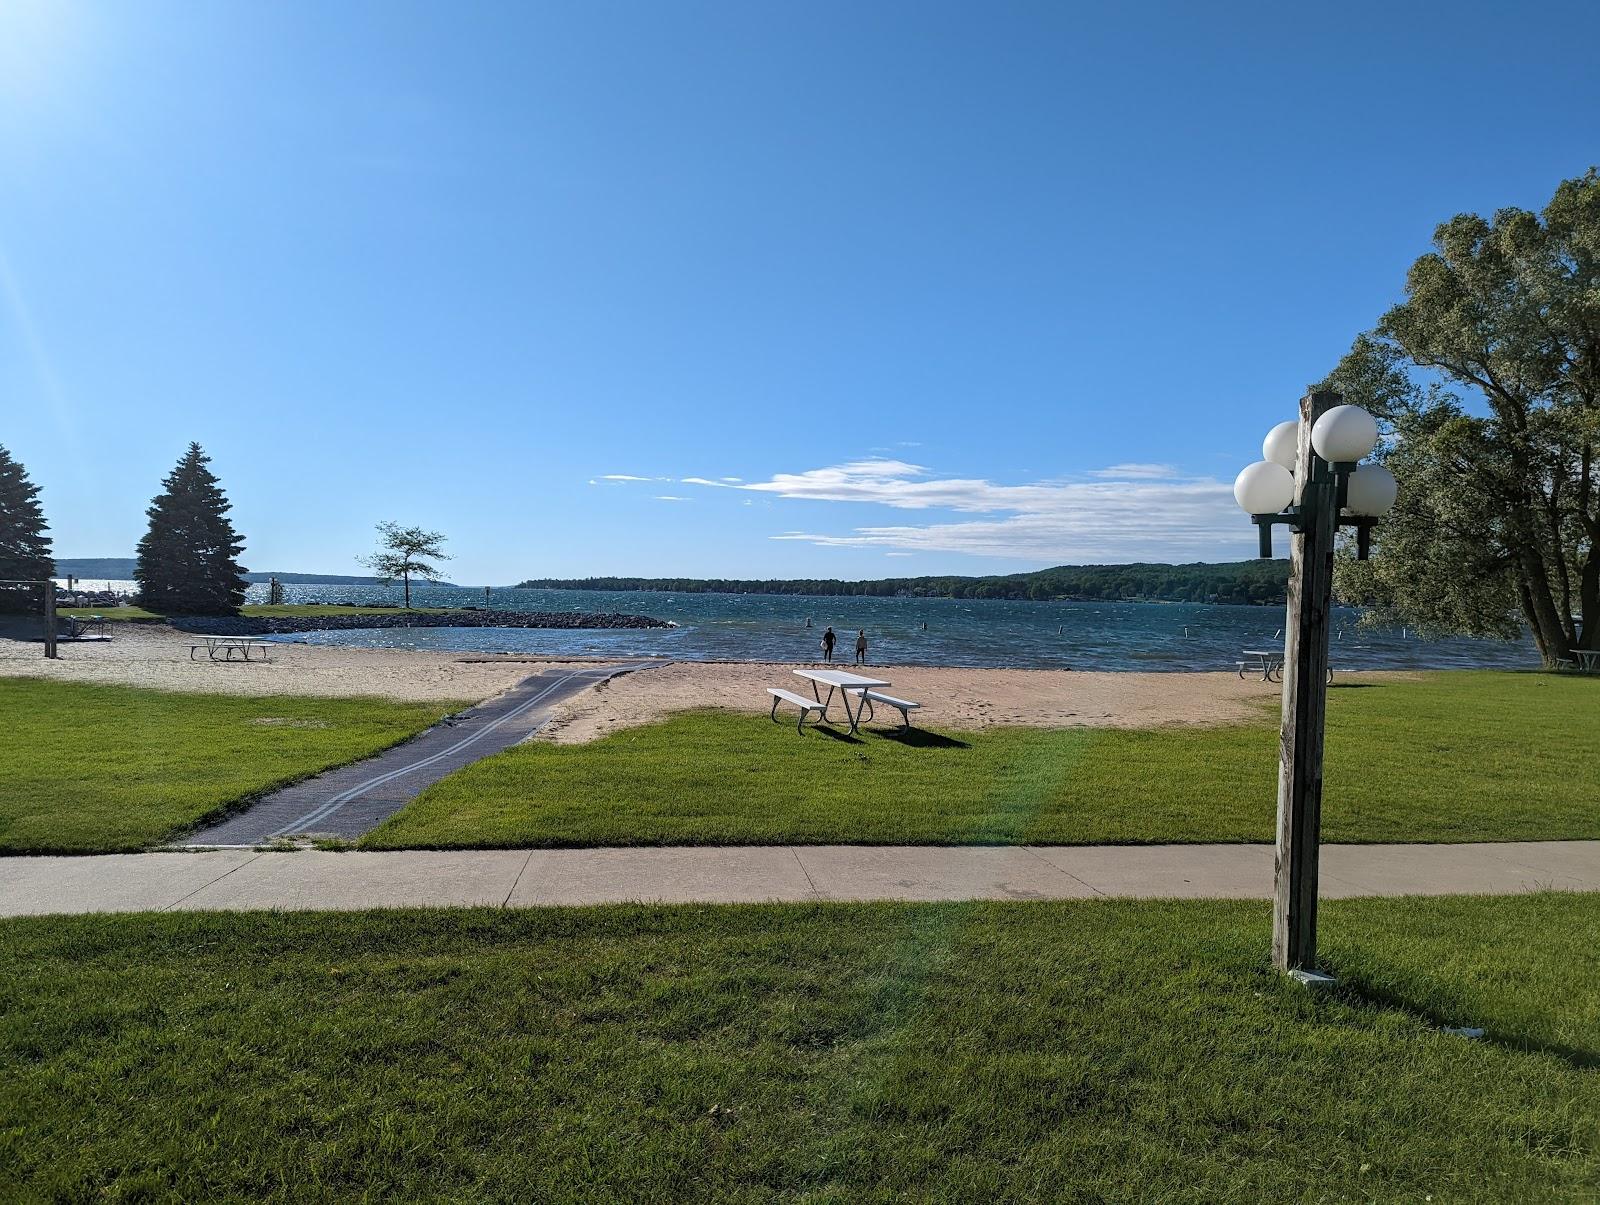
630,477
699,481
1128,516
670,498
733,480
1136,472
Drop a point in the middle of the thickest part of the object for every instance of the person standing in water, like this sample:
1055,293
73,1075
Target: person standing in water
828,639
861,647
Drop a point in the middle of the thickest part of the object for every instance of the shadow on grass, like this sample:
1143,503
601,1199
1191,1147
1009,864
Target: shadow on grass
1360,992
844,735
920,738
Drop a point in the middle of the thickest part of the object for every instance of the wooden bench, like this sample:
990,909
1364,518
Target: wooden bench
906,706
806,706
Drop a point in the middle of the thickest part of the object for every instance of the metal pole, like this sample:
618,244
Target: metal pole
50,618
1305,698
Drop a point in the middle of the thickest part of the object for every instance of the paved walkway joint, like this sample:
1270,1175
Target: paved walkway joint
239,879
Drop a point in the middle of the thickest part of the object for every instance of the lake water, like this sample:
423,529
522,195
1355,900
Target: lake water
920,631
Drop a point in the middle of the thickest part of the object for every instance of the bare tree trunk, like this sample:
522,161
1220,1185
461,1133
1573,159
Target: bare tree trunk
1525,600
406,578
1563,578
1589,600
1548,629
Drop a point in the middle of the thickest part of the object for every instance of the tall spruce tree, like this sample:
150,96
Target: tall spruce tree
24,548
187,562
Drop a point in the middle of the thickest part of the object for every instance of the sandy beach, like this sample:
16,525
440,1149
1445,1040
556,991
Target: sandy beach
958,698
156,656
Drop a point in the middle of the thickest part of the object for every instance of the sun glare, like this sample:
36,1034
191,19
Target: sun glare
36,42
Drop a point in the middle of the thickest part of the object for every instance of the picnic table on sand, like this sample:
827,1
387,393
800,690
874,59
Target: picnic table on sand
1269,663
844,682
223,647
866,690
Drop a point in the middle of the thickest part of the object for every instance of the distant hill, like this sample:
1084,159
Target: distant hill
120,568
1261,582
111,568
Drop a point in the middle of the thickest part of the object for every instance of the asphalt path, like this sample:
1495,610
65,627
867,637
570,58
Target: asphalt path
350,800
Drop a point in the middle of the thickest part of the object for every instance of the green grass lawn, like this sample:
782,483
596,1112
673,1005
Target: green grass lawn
1095,1051
1452,757
95,769
126,614
261,610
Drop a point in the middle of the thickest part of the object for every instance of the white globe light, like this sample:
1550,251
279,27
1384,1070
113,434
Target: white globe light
1344,434
1263,488
1371,491
1282,445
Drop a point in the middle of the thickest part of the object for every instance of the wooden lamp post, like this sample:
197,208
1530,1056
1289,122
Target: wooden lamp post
1332,491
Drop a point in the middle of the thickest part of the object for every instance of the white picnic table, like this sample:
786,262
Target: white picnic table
228,645
1588,659
1270,663
845,683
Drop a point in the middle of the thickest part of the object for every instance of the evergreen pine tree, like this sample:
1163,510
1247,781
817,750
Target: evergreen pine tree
24,548
187,562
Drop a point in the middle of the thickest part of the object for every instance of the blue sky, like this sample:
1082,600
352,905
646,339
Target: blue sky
755,289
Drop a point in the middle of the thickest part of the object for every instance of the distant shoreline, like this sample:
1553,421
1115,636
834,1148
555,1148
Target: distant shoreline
1258,583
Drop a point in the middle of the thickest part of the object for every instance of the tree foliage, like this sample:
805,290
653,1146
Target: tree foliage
400,554
187,562
1233,582
24,546
1498,521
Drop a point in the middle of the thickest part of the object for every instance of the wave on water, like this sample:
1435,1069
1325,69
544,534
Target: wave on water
902,631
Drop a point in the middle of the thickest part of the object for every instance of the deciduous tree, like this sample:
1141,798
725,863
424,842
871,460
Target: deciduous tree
1498,521
400,555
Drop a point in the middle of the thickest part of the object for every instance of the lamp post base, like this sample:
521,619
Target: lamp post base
1314,981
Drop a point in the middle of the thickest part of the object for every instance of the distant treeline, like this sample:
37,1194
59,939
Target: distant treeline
1232,582
121,567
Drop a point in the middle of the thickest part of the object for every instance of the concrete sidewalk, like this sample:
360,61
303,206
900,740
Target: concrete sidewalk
249,879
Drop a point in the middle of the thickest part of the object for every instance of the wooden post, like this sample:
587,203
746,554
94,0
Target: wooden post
50,617
1305,699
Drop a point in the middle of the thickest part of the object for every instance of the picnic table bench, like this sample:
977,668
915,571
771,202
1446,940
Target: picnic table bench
806,706
906,706
226,646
